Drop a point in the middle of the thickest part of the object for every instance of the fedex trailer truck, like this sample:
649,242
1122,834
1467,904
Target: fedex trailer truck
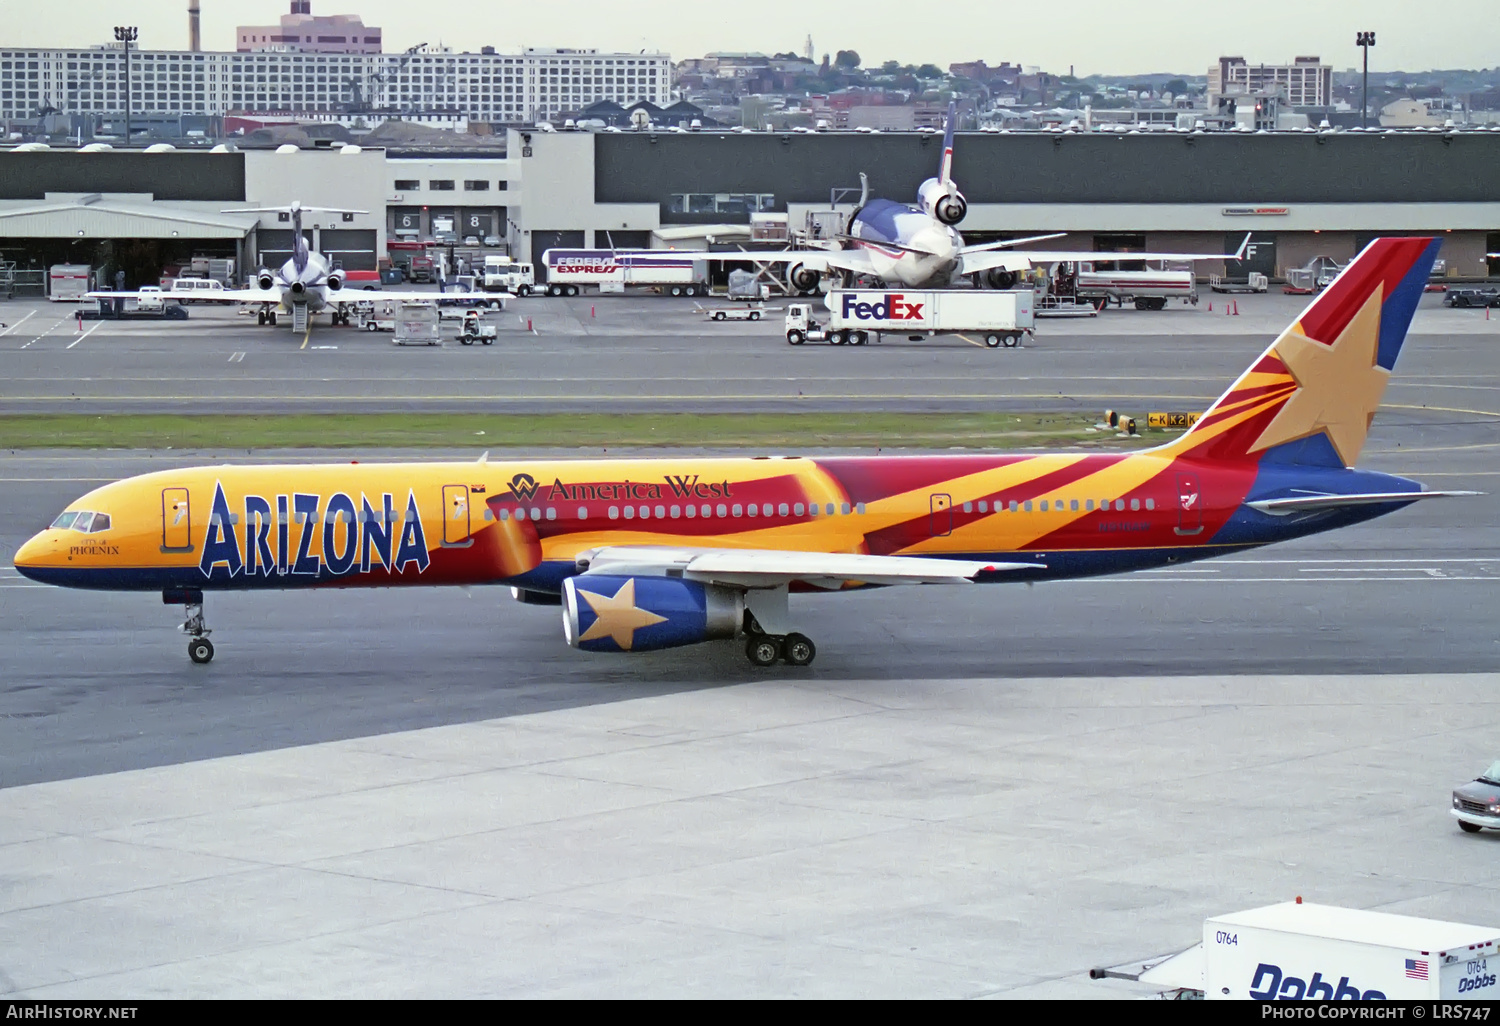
995,317
673,272
1304,952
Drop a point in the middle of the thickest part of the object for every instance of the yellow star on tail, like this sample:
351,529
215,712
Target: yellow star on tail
1338,386
617,617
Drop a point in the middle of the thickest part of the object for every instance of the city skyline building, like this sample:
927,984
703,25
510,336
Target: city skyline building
311,33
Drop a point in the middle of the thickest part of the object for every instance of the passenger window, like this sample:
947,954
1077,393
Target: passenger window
488,516
536,514
1044,506
504,514
1027,506
783,510
844,508
65,520
1135,504
1119,504
1089,505
767,509
692,511
1150,503
984,506
1013,505
676,512
708,510
583,512
661,512
752,509
813,509
614,512
737,510
551,512
629,512
829,509
797,509
722,510
968,507
860,509
645,512
1073,505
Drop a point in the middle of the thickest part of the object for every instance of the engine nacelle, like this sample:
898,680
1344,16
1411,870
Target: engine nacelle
265,280
1000,278
603,613
943,202
335,281
802,278
298,288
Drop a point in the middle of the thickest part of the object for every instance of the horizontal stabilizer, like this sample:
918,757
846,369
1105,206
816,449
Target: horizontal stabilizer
1006,243
1319,503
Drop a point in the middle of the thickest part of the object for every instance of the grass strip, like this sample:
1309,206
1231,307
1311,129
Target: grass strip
550,430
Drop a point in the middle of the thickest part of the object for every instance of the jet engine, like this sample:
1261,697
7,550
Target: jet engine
265,280
298,288
604,613
335,280
802,278
1000,278
943,202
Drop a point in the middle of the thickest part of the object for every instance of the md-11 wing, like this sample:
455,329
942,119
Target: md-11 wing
987,258
206,296
770,568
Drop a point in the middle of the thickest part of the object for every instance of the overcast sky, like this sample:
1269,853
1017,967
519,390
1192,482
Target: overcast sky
1095,36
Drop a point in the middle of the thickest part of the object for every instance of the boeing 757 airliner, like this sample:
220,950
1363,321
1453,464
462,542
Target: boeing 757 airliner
650,554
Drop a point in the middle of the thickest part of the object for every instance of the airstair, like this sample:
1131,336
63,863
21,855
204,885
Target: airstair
299,318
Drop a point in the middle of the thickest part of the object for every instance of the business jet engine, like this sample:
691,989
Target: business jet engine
942,201
335,280
604,613
802,278
266,280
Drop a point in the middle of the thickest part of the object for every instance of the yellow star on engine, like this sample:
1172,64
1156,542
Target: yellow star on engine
1338,386
617,617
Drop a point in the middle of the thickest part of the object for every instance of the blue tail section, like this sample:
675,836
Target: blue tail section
945,164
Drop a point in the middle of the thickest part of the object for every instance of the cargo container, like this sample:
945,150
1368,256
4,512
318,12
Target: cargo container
995,317
673,272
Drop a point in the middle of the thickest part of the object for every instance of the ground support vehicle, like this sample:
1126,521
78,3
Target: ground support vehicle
68,283
994,316
751,313
1476,805
1145,290
673,272
190,290
1467,297
1295,951
501,274
417,324
478,328
1254,282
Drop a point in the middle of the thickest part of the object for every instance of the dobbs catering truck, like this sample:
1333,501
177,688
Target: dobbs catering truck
674,272
1304,952
997,317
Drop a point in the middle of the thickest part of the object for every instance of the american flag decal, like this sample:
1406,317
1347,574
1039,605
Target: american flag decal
1416,969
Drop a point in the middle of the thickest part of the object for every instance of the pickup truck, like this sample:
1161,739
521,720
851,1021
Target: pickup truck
1461,297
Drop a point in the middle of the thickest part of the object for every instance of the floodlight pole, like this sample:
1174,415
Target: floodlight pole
1364,40
127,34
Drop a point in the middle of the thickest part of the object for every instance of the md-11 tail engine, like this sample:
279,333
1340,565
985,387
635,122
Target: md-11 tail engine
943,202
1000,278
266,280
802,278
603,613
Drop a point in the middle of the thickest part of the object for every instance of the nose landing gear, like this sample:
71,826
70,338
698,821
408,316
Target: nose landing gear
200,649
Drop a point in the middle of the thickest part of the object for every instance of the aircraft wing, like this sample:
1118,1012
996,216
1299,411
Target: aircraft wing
219,296
770,568
382,296
1320,503
820,260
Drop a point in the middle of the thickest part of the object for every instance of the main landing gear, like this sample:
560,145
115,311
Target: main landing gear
265,317
200,649
766,649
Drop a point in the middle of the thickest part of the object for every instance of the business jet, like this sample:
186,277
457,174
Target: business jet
652,554
305,285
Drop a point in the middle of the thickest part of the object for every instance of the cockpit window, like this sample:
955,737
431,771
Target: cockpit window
82,520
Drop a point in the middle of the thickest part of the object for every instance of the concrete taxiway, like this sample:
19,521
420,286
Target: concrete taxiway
655,354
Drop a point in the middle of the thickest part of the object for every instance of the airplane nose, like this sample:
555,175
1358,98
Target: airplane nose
31,555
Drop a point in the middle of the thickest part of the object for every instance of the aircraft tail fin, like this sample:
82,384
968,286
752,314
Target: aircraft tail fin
1309,399
945,164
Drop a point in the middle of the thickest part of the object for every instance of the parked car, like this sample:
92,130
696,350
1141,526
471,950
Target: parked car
492,240
471,240
1464,297
1476,805
187,290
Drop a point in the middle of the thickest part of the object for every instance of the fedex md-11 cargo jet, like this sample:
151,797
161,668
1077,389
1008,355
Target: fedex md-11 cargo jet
650,554
304,285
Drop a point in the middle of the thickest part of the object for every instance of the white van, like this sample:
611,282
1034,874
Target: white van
186,290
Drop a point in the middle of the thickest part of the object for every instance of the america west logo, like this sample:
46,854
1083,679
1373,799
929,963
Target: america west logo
523,487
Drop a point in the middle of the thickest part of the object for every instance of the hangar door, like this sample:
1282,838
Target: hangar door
1260,255
541,241
353,249
275,245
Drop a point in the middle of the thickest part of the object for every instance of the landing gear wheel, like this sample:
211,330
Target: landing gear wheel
1468,828
762,650
271,318
798,650
260,318
200,650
